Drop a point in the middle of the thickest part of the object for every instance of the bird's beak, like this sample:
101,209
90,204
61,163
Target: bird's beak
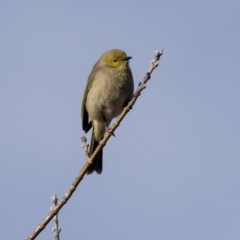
127,58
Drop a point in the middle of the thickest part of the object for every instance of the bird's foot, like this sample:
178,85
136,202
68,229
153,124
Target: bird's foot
88,160
109,130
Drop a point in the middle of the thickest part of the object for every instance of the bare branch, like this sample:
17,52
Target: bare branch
71,190
85,147
55,228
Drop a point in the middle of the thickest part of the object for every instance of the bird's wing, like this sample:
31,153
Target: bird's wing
85,124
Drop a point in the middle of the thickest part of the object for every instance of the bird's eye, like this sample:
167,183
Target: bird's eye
115,60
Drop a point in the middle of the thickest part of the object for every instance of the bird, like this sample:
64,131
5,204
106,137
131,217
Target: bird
109,88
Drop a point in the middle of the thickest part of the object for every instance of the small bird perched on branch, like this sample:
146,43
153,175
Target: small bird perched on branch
109,88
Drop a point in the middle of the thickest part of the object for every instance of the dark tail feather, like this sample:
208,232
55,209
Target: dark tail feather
97,161
99,164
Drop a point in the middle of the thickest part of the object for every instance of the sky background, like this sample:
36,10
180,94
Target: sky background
173,170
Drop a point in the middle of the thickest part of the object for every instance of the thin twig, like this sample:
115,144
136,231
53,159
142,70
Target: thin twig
71,190
85,147
55,228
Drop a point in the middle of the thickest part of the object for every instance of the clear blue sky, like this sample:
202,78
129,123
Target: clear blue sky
173,170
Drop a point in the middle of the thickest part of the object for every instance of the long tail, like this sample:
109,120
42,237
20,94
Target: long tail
97,161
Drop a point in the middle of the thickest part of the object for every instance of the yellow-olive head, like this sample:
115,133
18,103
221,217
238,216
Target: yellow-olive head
115,58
